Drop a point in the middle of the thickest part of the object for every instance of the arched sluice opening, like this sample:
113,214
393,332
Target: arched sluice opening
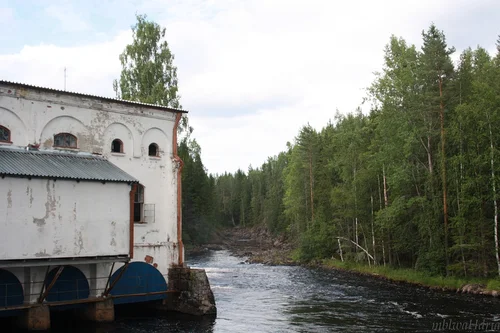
70,285
11,290
138,278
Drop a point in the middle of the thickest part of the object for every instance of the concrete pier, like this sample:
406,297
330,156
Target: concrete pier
100,312
193,293
35,318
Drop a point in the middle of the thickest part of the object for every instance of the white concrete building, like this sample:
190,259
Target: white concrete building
87,184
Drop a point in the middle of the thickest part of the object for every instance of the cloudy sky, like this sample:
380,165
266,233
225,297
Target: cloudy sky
251,73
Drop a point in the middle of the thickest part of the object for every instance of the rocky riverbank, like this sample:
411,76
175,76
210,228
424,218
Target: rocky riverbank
255,245
258,246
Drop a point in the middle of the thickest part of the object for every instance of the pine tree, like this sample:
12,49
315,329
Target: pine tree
437,72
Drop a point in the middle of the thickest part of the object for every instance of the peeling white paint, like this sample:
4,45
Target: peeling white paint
41,218
51,228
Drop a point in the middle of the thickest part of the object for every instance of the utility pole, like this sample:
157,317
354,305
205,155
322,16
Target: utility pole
64,78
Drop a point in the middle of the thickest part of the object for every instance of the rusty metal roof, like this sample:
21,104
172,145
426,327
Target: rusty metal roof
109,99
15,162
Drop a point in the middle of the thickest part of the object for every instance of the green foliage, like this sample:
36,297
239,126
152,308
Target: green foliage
317,242
493,284
197,200
148,74
253,198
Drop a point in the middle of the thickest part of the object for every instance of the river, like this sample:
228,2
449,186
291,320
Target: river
259,298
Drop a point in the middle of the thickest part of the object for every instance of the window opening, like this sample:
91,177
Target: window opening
149,213
117,146
65,140
4,134
153,149
138,203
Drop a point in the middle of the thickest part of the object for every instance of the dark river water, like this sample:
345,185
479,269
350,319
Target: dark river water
258,298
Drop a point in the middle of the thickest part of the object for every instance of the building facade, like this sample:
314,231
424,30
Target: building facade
90,196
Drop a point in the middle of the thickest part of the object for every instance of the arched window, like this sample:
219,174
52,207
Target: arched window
65,140
117,146
153,150
4,134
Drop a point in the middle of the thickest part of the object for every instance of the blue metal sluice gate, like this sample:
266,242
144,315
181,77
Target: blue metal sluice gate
11,290
138,278
70,285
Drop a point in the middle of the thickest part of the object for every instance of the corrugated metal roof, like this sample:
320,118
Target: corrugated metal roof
59,165
110,99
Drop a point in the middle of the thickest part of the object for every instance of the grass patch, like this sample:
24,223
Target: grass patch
413,276
296,255
493,284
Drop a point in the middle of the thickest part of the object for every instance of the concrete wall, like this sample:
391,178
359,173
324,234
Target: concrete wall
43,218
34,117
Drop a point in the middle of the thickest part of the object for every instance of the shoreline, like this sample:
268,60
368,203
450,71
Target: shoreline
258,245
468,286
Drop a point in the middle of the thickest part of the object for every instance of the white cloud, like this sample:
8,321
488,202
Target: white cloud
90,68
229,143
276,64
69,19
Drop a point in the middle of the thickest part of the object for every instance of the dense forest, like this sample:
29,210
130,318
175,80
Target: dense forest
413,183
